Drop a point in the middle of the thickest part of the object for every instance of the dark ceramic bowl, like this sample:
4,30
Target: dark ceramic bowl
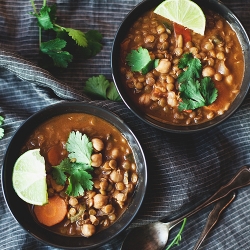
19,208
147,5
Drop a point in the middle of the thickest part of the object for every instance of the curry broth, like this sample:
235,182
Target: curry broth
54,133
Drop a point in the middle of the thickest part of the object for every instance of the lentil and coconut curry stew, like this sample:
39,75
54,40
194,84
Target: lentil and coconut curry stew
93,195
188,78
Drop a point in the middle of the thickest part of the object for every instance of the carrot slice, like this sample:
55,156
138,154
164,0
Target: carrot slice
54,156
51,213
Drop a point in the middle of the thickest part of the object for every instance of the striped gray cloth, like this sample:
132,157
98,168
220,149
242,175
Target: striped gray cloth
183,170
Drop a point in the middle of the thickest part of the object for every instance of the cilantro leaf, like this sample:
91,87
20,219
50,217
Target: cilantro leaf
76,167
194,91
1,120
58,171
44,18
79,147
208,91
1,129
138,59
112,93
78,177
99,86
78,182
53,49
191,95
78,36
1,133
193,70
94,39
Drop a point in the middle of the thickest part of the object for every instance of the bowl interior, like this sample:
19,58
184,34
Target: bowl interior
214,5
19,208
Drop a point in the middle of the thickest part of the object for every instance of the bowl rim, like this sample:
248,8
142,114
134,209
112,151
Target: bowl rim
234,22
31,226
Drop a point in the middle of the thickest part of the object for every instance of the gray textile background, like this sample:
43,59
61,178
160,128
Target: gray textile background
182,169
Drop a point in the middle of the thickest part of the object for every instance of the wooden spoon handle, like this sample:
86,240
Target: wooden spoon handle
214,215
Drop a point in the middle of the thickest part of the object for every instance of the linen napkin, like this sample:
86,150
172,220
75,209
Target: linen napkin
183,170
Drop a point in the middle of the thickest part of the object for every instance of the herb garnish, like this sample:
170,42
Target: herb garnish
194,91
75,169
1,129
99,86
140,61
87,43
177,238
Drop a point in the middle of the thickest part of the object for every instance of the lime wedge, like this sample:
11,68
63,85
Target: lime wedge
29,178
183,12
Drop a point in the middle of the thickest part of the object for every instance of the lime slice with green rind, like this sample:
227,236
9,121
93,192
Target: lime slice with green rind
183,12
29,178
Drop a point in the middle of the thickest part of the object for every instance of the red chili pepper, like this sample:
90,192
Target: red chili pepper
181,30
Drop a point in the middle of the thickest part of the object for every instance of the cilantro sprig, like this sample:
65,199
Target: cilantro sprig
77,167
140,61
195,92
1,129
177,239
67,39
99,86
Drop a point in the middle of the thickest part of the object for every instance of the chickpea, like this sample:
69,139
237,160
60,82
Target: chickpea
164,66
150,81
189,44
116,176
104,184
149,39
96,184
170,79
194,50
115,153
96,160
121,197
108,209
98,144
112,217
220,56
120,186
170,87
160,29
100,201
126,164
178,51
208,46
218,77
94,220
208,71
210,115
72,211
134,177
73,201
139,85
88,230
229,79
113,164
163,37
133,166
